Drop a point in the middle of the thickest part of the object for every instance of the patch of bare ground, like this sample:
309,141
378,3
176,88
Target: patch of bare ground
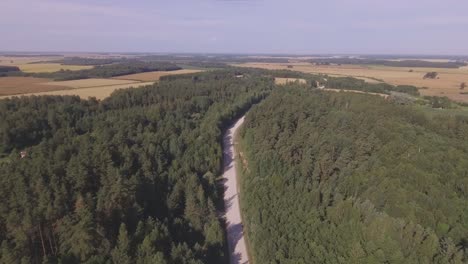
245,163
283,81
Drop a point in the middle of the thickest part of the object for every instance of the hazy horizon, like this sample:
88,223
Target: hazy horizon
236,27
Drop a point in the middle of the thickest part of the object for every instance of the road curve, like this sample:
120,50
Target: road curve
235,230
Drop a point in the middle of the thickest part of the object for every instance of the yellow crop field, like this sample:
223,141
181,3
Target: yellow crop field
33,64
50,67
282,81
93,82
97,92
17,61
154,76
447,84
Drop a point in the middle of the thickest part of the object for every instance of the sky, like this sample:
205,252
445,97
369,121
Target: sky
236,26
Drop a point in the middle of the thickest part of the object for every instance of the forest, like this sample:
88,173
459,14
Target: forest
87,61
5,69
391,63
353,178
349,83
130,179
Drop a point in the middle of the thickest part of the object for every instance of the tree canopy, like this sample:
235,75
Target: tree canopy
353,178
131,179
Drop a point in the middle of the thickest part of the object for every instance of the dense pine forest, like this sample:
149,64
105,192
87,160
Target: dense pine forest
352,178
131,179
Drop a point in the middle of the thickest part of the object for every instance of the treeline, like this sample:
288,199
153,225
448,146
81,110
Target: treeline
87,61
4,69
131,179
391,63
352,178
104,71
349,83
213,58
331,82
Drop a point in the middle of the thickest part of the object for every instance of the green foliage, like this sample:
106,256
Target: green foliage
349,83
409,89
87,61
131,179
439,102
4,69
391,63
430,75
352,178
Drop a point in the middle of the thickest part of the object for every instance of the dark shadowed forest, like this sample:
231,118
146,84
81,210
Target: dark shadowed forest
351,178
131,179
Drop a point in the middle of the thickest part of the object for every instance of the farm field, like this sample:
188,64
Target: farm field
447,85
50,67
32,64
100,92
93,82
22,85
17,61
154,76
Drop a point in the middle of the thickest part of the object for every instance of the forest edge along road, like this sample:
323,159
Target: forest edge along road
235,230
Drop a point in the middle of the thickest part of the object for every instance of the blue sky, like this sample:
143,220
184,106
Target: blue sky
236,26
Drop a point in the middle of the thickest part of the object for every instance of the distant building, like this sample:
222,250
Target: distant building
23,154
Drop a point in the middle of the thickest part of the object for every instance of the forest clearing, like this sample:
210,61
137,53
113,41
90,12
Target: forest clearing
282,81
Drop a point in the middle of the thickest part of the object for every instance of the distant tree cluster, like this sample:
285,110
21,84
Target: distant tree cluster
441,102
88,61
131,179
350,178
218,58
349,83
430,75
4,69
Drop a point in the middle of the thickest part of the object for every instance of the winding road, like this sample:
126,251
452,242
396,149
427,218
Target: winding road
235,230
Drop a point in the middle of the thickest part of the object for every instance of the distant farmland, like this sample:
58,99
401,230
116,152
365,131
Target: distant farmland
99,92
22,85
34,64
154,76
50,67
93,82
448,83
92,87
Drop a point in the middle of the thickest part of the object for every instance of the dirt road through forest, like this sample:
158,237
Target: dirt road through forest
235,231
